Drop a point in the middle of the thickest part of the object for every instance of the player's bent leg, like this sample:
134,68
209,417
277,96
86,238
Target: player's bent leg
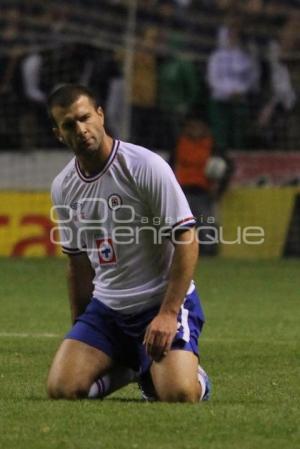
175,377
75,367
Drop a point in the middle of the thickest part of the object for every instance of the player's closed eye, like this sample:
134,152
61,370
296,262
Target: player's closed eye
68,125
84,118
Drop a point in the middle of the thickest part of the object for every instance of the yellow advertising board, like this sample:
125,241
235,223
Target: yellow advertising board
25,224
253,223
265,213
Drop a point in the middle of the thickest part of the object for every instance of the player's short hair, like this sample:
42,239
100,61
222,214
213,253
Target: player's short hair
66,94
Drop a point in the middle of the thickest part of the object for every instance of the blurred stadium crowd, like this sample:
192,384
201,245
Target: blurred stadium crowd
233,66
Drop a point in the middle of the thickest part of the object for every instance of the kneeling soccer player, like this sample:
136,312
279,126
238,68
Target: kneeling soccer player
129,234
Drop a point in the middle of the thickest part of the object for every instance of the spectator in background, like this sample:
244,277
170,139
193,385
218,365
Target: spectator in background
182,5
177,93
248,6
290,33
231,74
115,105
10,82
193,151
273,119
33,123
144,89
40,73
143,92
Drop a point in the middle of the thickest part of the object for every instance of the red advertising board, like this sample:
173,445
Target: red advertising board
265,168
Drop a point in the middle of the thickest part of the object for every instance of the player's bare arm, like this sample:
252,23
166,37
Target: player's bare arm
80,283
161,331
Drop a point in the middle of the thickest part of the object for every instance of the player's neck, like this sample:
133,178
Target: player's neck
93,163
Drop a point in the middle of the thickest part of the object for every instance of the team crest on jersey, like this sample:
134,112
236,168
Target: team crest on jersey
74,205
77,207
114,201
106,251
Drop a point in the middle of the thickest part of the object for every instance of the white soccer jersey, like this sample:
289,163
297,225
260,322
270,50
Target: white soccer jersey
123,218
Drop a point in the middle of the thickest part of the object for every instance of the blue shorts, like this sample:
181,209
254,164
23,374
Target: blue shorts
121,336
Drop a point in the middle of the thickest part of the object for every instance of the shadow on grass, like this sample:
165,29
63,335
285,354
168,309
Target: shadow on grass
108,399
116,399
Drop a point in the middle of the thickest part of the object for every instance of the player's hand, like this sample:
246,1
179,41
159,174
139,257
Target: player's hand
160,334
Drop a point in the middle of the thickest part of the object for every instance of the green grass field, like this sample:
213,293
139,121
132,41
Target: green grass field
250,347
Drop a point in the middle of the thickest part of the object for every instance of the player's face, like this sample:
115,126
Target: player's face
80,126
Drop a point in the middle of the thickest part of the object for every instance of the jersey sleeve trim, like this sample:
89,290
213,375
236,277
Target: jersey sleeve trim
186,223
66,250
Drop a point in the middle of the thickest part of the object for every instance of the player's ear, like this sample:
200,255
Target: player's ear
100,112
57,134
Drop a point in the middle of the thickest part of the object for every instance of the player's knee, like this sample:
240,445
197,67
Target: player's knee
61,388
181,393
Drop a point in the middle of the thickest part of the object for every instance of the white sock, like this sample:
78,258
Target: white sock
203,385
202,379
100,388
117,378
